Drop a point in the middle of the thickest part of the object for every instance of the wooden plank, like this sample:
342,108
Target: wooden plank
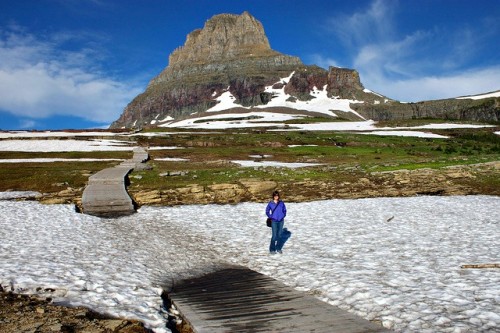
106,194
238,299
481,266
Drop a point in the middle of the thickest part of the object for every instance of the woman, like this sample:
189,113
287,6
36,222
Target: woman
276,211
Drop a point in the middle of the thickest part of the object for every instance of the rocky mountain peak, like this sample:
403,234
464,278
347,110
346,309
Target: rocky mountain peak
227,44
231,56
224,37
229,65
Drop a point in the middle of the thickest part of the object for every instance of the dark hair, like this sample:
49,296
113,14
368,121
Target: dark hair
276,193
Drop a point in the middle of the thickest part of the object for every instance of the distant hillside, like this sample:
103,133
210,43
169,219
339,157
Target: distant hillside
484,108
230,64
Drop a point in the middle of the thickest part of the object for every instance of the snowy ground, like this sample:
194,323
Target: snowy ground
50,160
55,145
264,164
65,145
257,119
396,260
407,133
270,119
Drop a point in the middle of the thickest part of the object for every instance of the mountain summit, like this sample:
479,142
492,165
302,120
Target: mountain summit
224,37
226,46
230,65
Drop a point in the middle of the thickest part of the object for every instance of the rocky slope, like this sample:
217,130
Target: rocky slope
232,54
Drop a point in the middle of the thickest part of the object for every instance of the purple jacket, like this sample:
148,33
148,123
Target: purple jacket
276,211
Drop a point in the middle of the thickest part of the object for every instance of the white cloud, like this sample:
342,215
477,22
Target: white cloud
420,65
364,27
321,61
439,87
27,124
39,78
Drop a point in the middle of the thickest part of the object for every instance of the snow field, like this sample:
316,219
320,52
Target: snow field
219,122
257,164
65,145
393,260
50,160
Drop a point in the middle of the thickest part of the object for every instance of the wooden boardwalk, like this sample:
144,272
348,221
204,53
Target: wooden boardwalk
238,299
106,194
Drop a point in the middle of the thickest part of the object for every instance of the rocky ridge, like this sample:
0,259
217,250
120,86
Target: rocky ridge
482,110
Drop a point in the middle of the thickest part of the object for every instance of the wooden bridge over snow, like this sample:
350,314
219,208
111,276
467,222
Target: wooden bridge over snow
106,194
238,299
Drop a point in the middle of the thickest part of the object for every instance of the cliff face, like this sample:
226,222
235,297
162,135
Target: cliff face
224,37
232,54
483,110
226,43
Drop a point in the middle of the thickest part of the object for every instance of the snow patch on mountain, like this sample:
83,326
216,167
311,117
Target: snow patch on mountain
235,120
319,103
482,96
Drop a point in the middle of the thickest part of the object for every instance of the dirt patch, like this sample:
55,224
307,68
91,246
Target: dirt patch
23,313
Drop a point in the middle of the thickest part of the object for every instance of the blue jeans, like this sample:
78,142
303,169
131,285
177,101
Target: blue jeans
276,242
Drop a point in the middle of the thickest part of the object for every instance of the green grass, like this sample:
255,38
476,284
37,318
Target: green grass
47,177
337,151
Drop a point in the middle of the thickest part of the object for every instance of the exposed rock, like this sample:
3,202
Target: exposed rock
457,180
69,195
258,187
226,193
68,192
147,197
230,51
173,173
273,144
224,37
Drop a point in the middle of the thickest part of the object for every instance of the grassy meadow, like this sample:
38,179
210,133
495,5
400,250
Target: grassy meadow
342,157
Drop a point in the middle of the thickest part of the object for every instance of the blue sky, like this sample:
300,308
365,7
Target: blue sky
78,63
